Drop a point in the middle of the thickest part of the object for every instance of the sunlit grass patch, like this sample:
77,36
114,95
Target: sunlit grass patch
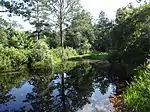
92,56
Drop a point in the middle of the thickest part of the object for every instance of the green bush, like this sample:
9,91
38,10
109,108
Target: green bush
68,52
19,40
5,62
85,48
3,37
41,52
137,96
40,55
12,57
18,57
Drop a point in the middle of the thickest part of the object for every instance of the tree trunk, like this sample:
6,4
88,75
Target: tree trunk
61,23
61,27
61,34
38,34
37,27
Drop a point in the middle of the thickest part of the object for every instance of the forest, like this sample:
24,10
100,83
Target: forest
64,31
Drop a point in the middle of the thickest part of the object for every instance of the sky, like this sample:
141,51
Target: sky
108,6
94,7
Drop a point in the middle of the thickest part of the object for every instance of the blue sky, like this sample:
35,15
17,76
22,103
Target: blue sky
94,7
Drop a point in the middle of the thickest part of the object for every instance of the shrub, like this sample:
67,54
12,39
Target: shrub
19,40
5,62
12,57
18,57
68,52
3,37
137,96
85,48
41,52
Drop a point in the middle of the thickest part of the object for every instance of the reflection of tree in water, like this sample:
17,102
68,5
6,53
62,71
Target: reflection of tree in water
47,96
40,97
120,78
79,87
104,76
79,84
9,81
101,78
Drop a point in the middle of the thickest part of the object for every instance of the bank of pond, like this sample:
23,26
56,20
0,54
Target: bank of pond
80,85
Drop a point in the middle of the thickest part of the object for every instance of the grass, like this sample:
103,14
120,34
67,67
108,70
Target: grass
137,96
96,56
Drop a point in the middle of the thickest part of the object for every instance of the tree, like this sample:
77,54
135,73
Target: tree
38,16
40,12
80,32
15,24
62,11
34,11
52,39
3,23
103,33
130,35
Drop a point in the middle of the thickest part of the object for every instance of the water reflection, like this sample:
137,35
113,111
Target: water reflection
87,87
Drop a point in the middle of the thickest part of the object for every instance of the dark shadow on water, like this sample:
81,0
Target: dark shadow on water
86,87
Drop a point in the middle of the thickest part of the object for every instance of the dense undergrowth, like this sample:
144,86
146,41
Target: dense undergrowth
40,55
137,95
17,51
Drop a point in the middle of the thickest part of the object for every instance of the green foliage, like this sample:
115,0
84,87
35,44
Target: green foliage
68,52
85,48
131,47
5,62
19,40
20,50
91,56
130,35
102,30
3,23
17,57
40,52
33,10
52,39
3,37
12,58
80,32
132,26
137,96
13,38
128,38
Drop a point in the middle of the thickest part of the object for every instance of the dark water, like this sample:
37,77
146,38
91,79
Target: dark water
73,87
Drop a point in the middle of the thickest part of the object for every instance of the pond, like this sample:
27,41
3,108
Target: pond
88,86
